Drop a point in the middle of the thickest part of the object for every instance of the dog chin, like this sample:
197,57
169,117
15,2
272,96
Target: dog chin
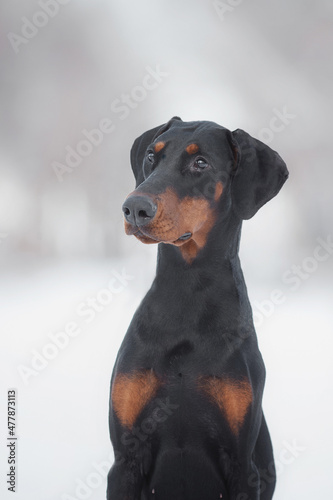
149,240
146,239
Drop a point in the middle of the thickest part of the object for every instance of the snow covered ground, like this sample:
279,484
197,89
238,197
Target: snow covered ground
61,327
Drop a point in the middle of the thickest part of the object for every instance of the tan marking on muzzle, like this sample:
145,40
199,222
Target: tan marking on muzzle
130,394
233,397
218,191
175,217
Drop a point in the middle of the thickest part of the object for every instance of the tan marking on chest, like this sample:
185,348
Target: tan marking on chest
130,394
233,397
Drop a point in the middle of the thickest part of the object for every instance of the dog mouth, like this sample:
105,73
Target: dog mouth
185,237
148,238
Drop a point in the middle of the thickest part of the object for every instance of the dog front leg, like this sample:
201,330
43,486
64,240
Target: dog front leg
124,482
242,478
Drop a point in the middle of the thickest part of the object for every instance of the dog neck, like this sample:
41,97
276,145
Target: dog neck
221,245
212,284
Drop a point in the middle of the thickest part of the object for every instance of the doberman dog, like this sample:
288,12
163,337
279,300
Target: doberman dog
186,419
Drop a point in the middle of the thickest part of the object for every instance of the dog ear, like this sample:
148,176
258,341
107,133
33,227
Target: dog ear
140,146
258,175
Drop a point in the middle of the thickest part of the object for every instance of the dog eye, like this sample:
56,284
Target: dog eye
151,157
200,163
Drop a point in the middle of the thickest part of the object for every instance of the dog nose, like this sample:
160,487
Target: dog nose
139,210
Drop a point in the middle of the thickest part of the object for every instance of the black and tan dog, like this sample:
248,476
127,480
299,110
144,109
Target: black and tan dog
186,418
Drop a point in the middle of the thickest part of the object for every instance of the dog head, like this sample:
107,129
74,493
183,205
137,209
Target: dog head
188,172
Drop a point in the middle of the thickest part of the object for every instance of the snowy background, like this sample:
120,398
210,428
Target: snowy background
71,67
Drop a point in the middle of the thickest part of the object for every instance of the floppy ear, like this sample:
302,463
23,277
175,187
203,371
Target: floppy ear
141,144
258,176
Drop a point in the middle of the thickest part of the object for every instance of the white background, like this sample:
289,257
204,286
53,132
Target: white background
62,242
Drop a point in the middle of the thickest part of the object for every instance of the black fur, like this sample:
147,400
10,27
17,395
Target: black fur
196,321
